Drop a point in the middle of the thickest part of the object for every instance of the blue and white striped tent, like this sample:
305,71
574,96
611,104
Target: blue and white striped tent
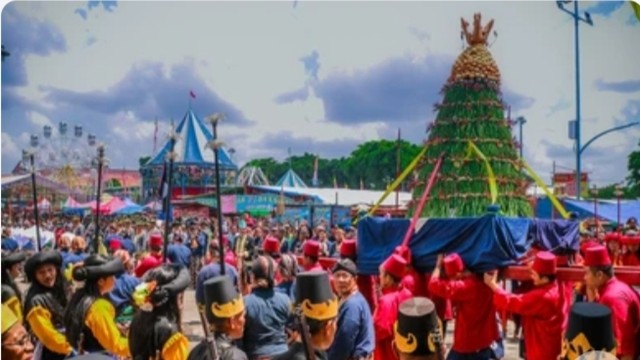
291,179
190,148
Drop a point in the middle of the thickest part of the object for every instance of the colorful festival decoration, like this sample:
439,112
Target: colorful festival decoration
482,166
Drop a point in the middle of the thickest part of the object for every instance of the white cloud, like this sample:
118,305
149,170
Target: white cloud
249,53
9,147
40,120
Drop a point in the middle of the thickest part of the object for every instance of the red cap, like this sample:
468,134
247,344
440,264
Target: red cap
597,256
225,240
544,263
271,245
147,264
115,244
587,244
630,240
348,248
156,240
403,251
395,265
453,265
311,248
612,236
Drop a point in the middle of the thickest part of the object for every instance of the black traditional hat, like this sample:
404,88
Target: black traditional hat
97,266
417,330
221,298
314,295
590,329
52,257
8,260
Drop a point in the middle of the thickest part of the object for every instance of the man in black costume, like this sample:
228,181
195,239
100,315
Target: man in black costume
318,307
224,312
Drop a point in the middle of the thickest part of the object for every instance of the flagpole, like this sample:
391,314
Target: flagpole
215,146
167,200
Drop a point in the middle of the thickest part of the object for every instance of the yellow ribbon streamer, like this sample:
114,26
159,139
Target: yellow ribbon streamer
493,187
635,5
399,180
552,197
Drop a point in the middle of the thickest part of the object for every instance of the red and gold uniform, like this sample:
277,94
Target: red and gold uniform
387,311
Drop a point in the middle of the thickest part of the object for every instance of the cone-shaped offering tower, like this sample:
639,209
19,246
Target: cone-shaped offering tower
473,110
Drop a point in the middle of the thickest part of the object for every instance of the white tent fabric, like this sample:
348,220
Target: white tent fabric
345,197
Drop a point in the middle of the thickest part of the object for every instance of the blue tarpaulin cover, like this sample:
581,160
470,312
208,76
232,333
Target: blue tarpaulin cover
484,243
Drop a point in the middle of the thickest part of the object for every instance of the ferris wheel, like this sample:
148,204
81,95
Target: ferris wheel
61,149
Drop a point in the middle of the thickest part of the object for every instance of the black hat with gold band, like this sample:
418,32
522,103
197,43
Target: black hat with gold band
314,295
96,266
8,260
222,300
52,257
589,329
418,329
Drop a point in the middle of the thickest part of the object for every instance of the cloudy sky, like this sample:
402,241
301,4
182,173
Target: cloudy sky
319,77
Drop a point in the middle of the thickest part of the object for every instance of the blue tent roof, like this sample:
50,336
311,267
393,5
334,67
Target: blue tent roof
191,146
291,179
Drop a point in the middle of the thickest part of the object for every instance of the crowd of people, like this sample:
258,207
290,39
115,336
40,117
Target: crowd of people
263,293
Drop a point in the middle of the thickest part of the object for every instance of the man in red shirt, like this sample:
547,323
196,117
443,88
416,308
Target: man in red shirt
541,308
632,256
310,255
476,326
623,301
391,273
412,280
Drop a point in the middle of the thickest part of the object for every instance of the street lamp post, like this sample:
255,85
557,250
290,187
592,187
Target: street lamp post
215,145
30,155
100,162
575,14
521,121
618,193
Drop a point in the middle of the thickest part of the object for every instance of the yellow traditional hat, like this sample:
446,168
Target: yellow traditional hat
8,318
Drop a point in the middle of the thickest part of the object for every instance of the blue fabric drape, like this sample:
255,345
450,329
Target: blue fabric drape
484,243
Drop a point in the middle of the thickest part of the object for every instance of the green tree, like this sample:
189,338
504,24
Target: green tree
375,162
472,110
634,171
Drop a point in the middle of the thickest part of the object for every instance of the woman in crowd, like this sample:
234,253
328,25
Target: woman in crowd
44,304
90,317
11,295
155,328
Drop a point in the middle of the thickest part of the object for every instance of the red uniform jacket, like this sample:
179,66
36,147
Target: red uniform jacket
314,267
367,286
629,259
473,304
624,303
384,318
443,306
542,318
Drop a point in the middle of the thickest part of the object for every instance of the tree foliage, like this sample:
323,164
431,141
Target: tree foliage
634,171
374,163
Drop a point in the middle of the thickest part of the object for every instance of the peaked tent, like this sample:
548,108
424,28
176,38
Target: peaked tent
291,179
191,146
